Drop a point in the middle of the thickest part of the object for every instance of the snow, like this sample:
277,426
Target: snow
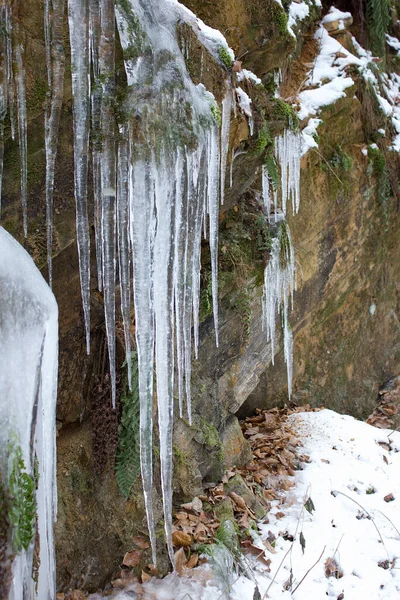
245,106
249,75
347,478
297,12
335,14
393,42
28,388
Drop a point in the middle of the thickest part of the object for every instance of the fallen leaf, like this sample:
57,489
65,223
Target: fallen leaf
302,541
145,577
309,506
180,538
192,562
132,558
180,561
141,542
238,500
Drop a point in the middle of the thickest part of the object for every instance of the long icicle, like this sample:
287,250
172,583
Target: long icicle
124,242
18,53
78,15
108,175
213,210
225,131
96,93
55,58
142,231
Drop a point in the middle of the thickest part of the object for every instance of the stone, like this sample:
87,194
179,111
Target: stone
236,450
238,486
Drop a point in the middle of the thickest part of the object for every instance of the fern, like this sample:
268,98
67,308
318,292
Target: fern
22,508
127,462
378,19
272,170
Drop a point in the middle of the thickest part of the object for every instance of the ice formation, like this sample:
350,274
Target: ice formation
28,387
55,58
279,284
279,275
13,91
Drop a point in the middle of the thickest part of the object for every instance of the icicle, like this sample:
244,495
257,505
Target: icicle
181,231
55,58
108,175
266,191
124,243
78,14
22,123
3,88
10,74
279,278
96,93
142,231
288,152
225,130
213,205
164,321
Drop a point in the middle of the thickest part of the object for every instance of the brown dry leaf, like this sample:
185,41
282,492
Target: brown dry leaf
141,542
192,562
389,498
132,558
200,534
244,521
145,577
279,515
180,538
332,568
269,547
182,516
238,500
180,561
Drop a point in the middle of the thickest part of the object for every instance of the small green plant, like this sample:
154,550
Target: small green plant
225,57
383,185
216,113
127,462
281,21
22,508
272,170
264,239
340,160
285,244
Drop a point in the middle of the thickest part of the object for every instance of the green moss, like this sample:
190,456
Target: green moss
181,458
383,185
285,112
272,170
210,434
281,21
264,139
225,57
340,160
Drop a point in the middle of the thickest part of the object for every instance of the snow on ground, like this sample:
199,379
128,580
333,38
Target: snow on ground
352,529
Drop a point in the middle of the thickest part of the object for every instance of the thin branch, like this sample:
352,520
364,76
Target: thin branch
276,573
334,493
329,166
310,569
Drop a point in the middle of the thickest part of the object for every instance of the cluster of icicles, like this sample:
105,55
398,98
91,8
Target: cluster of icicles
151,205
279,275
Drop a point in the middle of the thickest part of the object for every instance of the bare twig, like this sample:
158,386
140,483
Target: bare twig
394,430
310,569
329,166
337,547
391,522
334,493
276,573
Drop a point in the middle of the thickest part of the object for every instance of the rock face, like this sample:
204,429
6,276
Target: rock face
346,311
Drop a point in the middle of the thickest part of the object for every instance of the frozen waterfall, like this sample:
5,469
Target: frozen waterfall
28,387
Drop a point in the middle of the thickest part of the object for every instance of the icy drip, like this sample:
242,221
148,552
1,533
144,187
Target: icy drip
94,32
124,242
29,337
225,130
78,17
279,282
55,58
3,88
174,182
288,152
108,175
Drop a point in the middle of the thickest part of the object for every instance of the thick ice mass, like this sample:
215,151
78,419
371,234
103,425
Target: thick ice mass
28,387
